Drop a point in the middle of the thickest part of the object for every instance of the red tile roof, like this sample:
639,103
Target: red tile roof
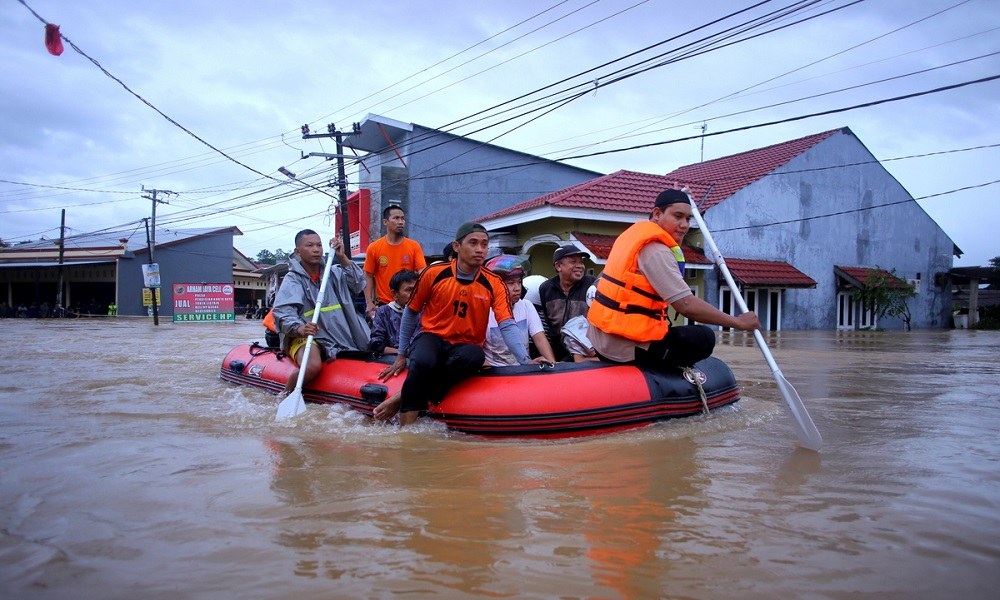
600,245
762,273
856,276
727,175
694,256
625,191
633,192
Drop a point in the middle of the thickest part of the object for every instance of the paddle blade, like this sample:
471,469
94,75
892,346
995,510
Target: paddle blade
805,428
292,406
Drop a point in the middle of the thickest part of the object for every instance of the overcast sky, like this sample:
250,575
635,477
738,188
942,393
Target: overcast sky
245,75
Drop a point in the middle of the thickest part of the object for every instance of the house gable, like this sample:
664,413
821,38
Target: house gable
713,181
787,213
833,204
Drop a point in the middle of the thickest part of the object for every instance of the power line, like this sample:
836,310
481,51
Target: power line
791,119
644,129
723,132
269,176
233,200
624,74
786,102
300,191
859,209
523,54
141,99
457,54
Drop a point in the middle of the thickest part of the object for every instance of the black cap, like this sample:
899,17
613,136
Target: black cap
567,250
466,228
668,197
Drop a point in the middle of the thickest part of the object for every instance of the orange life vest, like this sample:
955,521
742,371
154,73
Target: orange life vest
269,321
626,303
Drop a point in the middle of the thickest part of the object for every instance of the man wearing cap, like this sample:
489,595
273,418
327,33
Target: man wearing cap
564,296
644,276
453,300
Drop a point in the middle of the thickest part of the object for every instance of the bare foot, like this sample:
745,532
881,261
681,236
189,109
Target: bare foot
388,408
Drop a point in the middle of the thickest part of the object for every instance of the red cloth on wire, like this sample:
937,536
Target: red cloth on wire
53,39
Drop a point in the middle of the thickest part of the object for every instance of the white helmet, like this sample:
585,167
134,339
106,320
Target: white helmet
531,284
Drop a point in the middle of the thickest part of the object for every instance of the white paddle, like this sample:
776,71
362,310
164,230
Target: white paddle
805,428
294,404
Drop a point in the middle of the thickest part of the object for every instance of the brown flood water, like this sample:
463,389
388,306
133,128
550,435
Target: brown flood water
129,470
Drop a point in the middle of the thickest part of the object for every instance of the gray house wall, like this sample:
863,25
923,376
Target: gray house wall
204,259
448,180
898,236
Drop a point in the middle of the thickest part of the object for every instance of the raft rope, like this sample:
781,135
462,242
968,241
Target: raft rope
693,375
256,349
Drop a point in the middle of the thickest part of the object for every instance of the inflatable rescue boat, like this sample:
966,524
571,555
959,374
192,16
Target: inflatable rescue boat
564,400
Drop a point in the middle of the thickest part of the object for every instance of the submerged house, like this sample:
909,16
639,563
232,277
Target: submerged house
105,268
799,224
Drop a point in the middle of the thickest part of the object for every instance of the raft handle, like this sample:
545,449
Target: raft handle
374,393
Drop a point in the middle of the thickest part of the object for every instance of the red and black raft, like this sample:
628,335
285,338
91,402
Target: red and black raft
569,399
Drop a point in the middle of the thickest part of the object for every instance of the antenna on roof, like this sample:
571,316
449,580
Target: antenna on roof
703,128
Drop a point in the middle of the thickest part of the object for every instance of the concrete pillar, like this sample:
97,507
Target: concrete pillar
973,301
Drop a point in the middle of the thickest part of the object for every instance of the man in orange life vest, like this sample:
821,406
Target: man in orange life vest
644,275
453,300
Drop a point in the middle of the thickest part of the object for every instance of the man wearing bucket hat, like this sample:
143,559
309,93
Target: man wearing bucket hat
453,300
644,275
564,296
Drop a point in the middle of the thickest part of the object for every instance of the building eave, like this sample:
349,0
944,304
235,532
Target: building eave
557,212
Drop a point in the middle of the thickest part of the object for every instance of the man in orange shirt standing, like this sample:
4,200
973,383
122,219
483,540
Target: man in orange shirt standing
453,300
388,255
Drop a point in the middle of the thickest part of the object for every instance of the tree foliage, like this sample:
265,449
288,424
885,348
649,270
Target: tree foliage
266,257
886,294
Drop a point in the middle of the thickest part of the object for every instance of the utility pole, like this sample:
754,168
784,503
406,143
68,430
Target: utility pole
152,290
62,248
345,229
151,195
332,131
151,243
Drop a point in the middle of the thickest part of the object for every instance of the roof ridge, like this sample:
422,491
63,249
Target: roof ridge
710,182
824,134
720,178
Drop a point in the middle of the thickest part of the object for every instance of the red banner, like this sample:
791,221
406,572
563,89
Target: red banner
358,220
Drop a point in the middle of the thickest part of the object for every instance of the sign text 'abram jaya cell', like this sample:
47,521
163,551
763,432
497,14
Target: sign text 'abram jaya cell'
199,302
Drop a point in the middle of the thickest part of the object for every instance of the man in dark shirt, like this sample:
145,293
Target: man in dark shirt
564,296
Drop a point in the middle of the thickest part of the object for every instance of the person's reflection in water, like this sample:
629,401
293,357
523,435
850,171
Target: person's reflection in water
631,518
325,491
467,516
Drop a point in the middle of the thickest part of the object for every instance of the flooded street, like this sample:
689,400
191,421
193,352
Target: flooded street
129,469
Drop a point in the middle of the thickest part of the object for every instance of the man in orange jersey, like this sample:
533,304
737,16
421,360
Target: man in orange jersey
643,276
387,256
453,300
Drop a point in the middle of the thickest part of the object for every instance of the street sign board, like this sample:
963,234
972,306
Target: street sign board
203,302
151,275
